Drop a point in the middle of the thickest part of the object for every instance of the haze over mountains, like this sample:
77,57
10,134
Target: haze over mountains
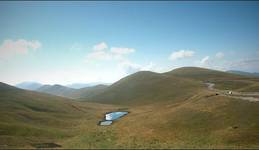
76,90
30,85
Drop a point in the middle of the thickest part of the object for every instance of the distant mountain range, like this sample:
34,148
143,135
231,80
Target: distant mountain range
137,86
56,89
77,90
254,74
83,85
29,85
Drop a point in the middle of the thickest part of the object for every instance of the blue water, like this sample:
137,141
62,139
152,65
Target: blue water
105,123
109,117
115,115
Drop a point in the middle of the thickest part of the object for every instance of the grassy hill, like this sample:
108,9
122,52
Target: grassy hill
88,92
67,92
57,90
202,74
166,110
147,87
177,85
29,117
204,121
223,80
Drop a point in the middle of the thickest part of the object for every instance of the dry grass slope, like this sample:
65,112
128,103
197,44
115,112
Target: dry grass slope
170,110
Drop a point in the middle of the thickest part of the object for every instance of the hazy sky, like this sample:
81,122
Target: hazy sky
66,42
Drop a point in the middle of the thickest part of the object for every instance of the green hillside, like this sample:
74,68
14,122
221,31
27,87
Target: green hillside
166,110
223,80
148,87
204,121
67,92
145,86
202,74
57,90
177,85
29,117
88,92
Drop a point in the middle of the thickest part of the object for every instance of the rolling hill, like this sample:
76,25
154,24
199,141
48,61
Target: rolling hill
56,89
142,83
166,110
202,74
84,85
67,92
88,92
29,117
148,87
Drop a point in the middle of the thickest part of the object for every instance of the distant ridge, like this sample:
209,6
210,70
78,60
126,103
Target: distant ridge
145,86
149,87
254,74
56,89
29,85
84,85
161,105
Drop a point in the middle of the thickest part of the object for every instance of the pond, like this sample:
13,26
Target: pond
111,116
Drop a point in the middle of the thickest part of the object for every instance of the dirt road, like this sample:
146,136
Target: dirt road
249,96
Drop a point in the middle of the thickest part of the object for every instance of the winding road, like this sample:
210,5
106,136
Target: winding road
251,96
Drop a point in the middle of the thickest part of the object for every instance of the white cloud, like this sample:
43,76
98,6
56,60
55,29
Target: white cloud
129,67
119,56
10,48
205,60
122,50
100,46
181,54
219,55
101,52
99,55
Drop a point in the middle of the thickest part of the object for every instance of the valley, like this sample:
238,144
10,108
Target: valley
166,110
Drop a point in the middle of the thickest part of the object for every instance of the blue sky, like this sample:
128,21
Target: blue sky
67,42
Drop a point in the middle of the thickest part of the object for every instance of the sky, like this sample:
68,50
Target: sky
88,41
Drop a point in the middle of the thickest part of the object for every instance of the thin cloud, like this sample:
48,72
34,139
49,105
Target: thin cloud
100,46
205,60
129,67
10,48
101,52
181,54
99,55
220,55
122,50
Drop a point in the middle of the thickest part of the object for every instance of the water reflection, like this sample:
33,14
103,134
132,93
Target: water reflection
111,116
